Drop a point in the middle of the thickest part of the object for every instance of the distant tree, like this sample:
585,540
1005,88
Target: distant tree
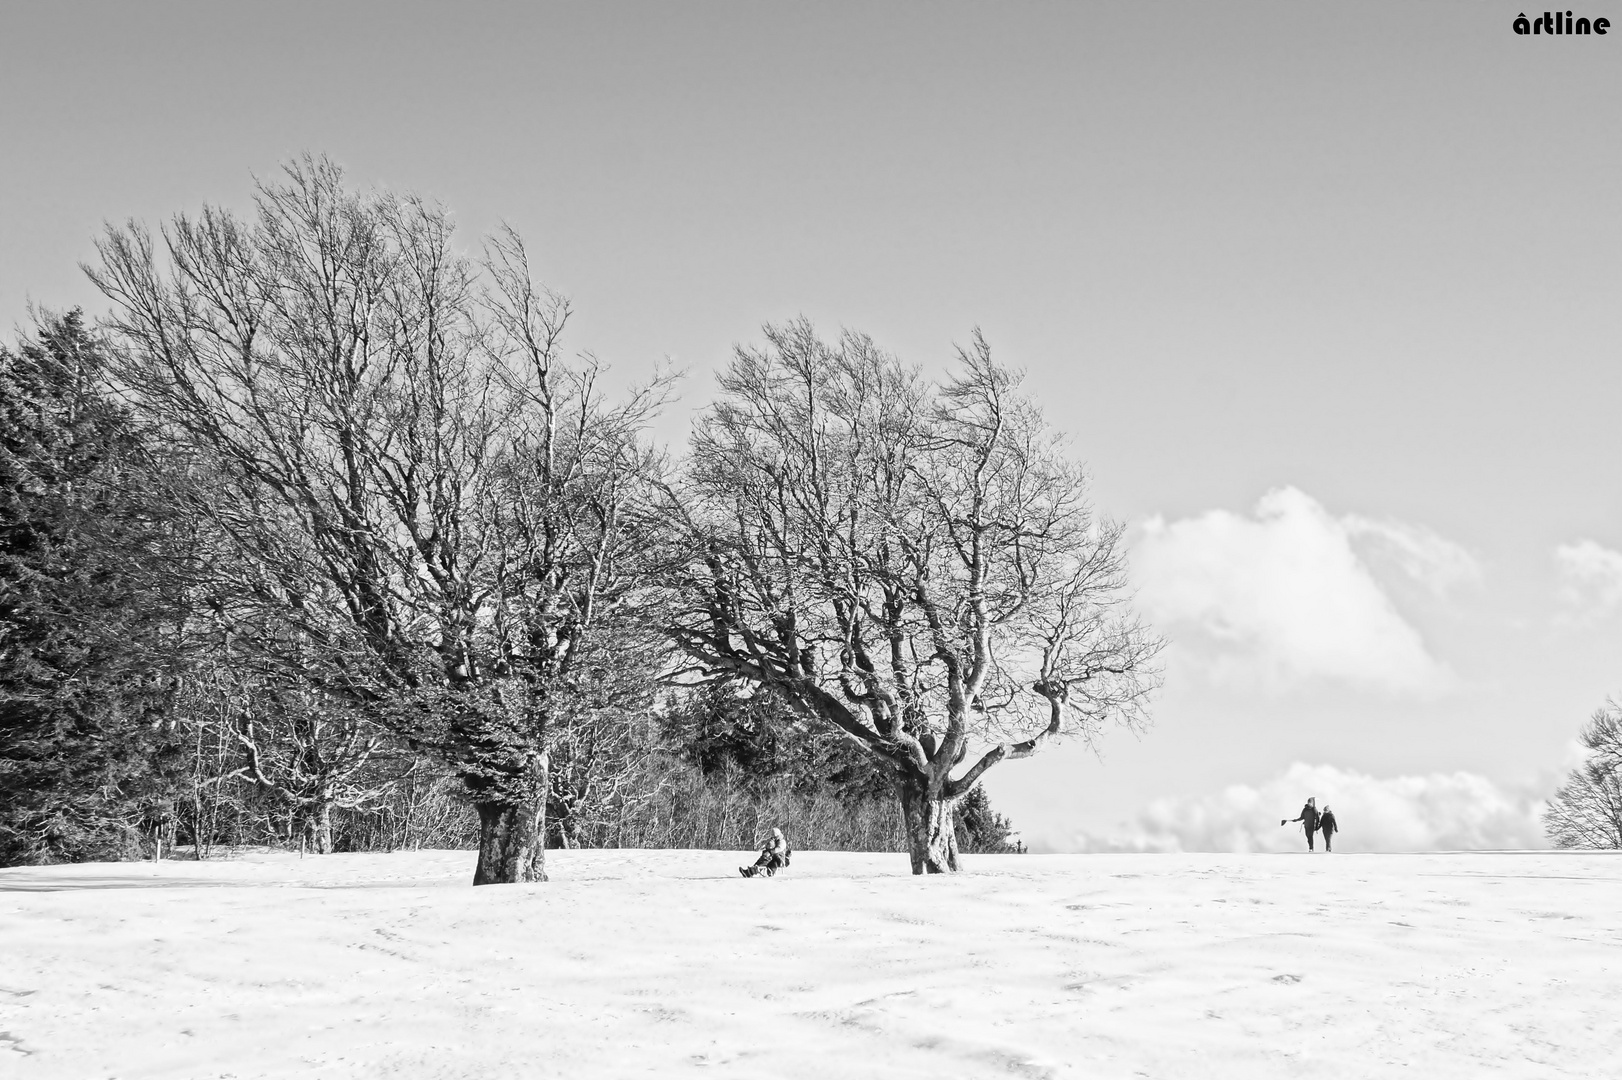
86,623
603,730
421,487
1586,811
915,566
981,829
754,734
312,750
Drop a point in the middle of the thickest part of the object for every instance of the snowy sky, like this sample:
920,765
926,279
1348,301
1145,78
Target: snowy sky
1327,295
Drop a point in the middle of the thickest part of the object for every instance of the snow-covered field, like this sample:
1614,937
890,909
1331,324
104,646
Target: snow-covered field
642,963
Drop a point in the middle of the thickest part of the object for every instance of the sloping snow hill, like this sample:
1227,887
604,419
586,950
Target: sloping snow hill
668,964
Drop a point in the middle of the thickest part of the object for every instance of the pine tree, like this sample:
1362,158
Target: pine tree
728,726
80,620
980,829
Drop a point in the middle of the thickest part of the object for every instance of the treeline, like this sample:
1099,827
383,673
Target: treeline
719,771
317,539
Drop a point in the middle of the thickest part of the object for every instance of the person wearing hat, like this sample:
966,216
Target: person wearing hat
773,856
1327,825
1308,819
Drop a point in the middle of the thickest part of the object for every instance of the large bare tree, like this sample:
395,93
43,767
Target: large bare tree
1586,811
422,487
915,565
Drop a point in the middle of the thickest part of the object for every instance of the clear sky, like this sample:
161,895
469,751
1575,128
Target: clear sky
1328,296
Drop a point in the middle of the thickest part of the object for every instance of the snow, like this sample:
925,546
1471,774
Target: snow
668,964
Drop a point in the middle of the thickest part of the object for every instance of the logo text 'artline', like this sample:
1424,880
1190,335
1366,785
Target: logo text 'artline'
1560,23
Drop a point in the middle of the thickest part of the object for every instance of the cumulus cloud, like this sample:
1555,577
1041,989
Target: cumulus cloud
1438,812
1591,576
1424,555
1284,596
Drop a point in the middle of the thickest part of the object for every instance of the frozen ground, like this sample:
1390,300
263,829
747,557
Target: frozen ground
668,964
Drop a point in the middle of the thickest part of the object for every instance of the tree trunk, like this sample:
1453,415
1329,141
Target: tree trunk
512,845
559,824
323,828
931,837
318,828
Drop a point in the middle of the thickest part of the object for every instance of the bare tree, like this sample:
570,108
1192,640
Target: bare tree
314,750
599,759
1586,811
915,566
574,527
373,404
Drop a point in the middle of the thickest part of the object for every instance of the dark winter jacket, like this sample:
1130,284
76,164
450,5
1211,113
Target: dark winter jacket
1327,822
1308,818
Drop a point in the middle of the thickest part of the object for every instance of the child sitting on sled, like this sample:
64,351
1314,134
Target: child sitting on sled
774,854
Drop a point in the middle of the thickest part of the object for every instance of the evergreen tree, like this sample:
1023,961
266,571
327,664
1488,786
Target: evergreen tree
81,688
980,829
729,726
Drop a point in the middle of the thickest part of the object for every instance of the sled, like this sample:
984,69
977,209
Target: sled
769,871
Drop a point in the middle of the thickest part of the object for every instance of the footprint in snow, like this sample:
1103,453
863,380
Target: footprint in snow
8,1041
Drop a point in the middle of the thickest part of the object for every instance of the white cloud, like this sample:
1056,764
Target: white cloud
1437,812
1424,555
1284,596
1591,576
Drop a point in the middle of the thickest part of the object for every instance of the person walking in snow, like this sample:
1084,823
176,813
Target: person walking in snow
1327,826
1308,819
774,855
